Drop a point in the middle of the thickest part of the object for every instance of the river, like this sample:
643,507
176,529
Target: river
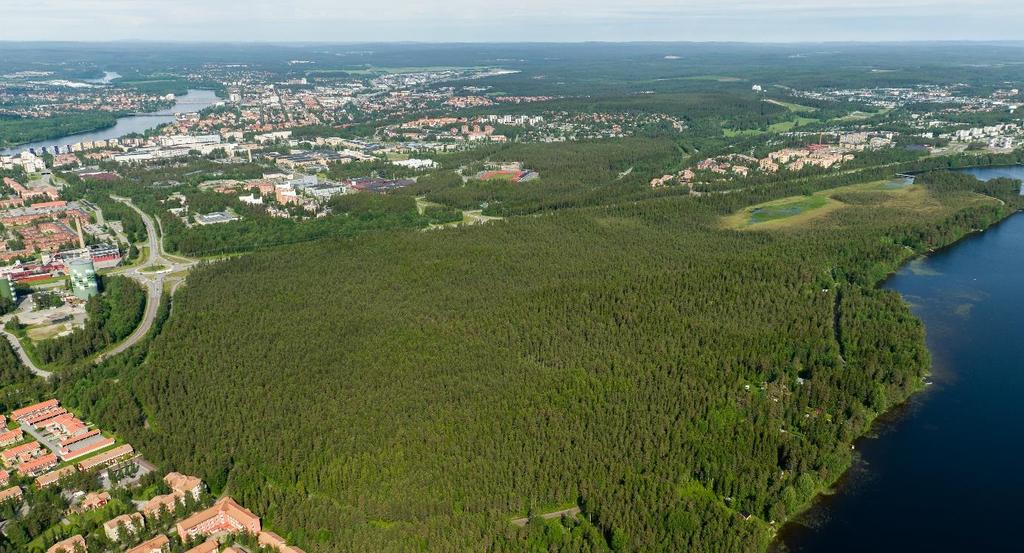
943,472
194,100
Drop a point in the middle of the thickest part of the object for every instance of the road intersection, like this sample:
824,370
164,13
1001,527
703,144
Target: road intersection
158,271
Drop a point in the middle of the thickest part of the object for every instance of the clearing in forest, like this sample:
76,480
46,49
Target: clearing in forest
797,210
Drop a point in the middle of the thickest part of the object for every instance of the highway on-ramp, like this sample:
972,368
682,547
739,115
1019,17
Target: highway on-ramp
152,274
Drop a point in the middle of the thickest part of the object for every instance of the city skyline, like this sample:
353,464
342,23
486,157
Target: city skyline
528,20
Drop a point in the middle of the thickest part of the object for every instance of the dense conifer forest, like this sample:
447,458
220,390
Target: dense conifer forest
688,386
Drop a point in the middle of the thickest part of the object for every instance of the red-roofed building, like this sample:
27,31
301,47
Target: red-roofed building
272,540
38,466
39,418
20,453
19,414
53,477
74,544
107,458
11,437
209,546
153,507
182,484
159,544
94,500
10,494
131,523
224,516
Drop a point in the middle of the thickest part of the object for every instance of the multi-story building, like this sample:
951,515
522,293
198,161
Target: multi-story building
19,414
83,278
183,484
11,437
224,516
107,458
10,494
74,544
159,544
208,546
132,523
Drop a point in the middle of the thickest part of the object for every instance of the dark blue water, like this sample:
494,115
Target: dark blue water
195,100
986,173
944,472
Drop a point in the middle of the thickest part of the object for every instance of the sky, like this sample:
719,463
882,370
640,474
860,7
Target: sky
511,20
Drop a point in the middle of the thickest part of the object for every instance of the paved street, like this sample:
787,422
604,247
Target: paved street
153,273
156,271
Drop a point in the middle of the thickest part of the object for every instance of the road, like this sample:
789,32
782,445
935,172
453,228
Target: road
24,306
25,360
153,273
570,512
157,269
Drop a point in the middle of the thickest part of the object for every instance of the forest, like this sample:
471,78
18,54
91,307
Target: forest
110,317
14,131
689,387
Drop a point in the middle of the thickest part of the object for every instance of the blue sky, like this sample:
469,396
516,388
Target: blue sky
512,20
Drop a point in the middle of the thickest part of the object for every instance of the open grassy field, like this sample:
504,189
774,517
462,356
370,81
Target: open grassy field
786,126
784,212
796,211
780,127
796,108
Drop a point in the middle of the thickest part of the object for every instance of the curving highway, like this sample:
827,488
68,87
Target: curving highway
153,273
157,269
25,359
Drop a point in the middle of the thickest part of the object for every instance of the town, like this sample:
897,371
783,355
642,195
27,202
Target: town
400,282
115,500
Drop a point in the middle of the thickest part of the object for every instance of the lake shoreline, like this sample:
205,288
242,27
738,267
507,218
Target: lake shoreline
124,123
893,416
897,410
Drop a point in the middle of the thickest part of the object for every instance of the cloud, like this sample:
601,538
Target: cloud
506,20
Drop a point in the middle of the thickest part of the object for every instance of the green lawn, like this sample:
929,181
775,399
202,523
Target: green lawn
786,126
788,208
796,108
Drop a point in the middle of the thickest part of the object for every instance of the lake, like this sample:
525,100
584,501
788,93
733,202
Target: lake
195,100
943,473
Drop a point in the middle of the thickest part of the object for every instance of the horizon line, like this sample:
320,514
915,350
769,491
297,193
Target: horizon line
522,42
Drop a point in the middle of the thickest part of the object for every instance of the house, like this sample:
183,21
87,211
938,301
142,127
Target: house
131,523
19,453
53,477
74,544
10,494
273,541
153,506
209,546
5,477
107,458
19,414
39,418
224,516
182,484
11,437
37,466
93,501
159,544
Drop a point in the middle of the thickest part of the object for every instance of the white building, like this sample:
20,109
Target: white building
188,140
413,163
